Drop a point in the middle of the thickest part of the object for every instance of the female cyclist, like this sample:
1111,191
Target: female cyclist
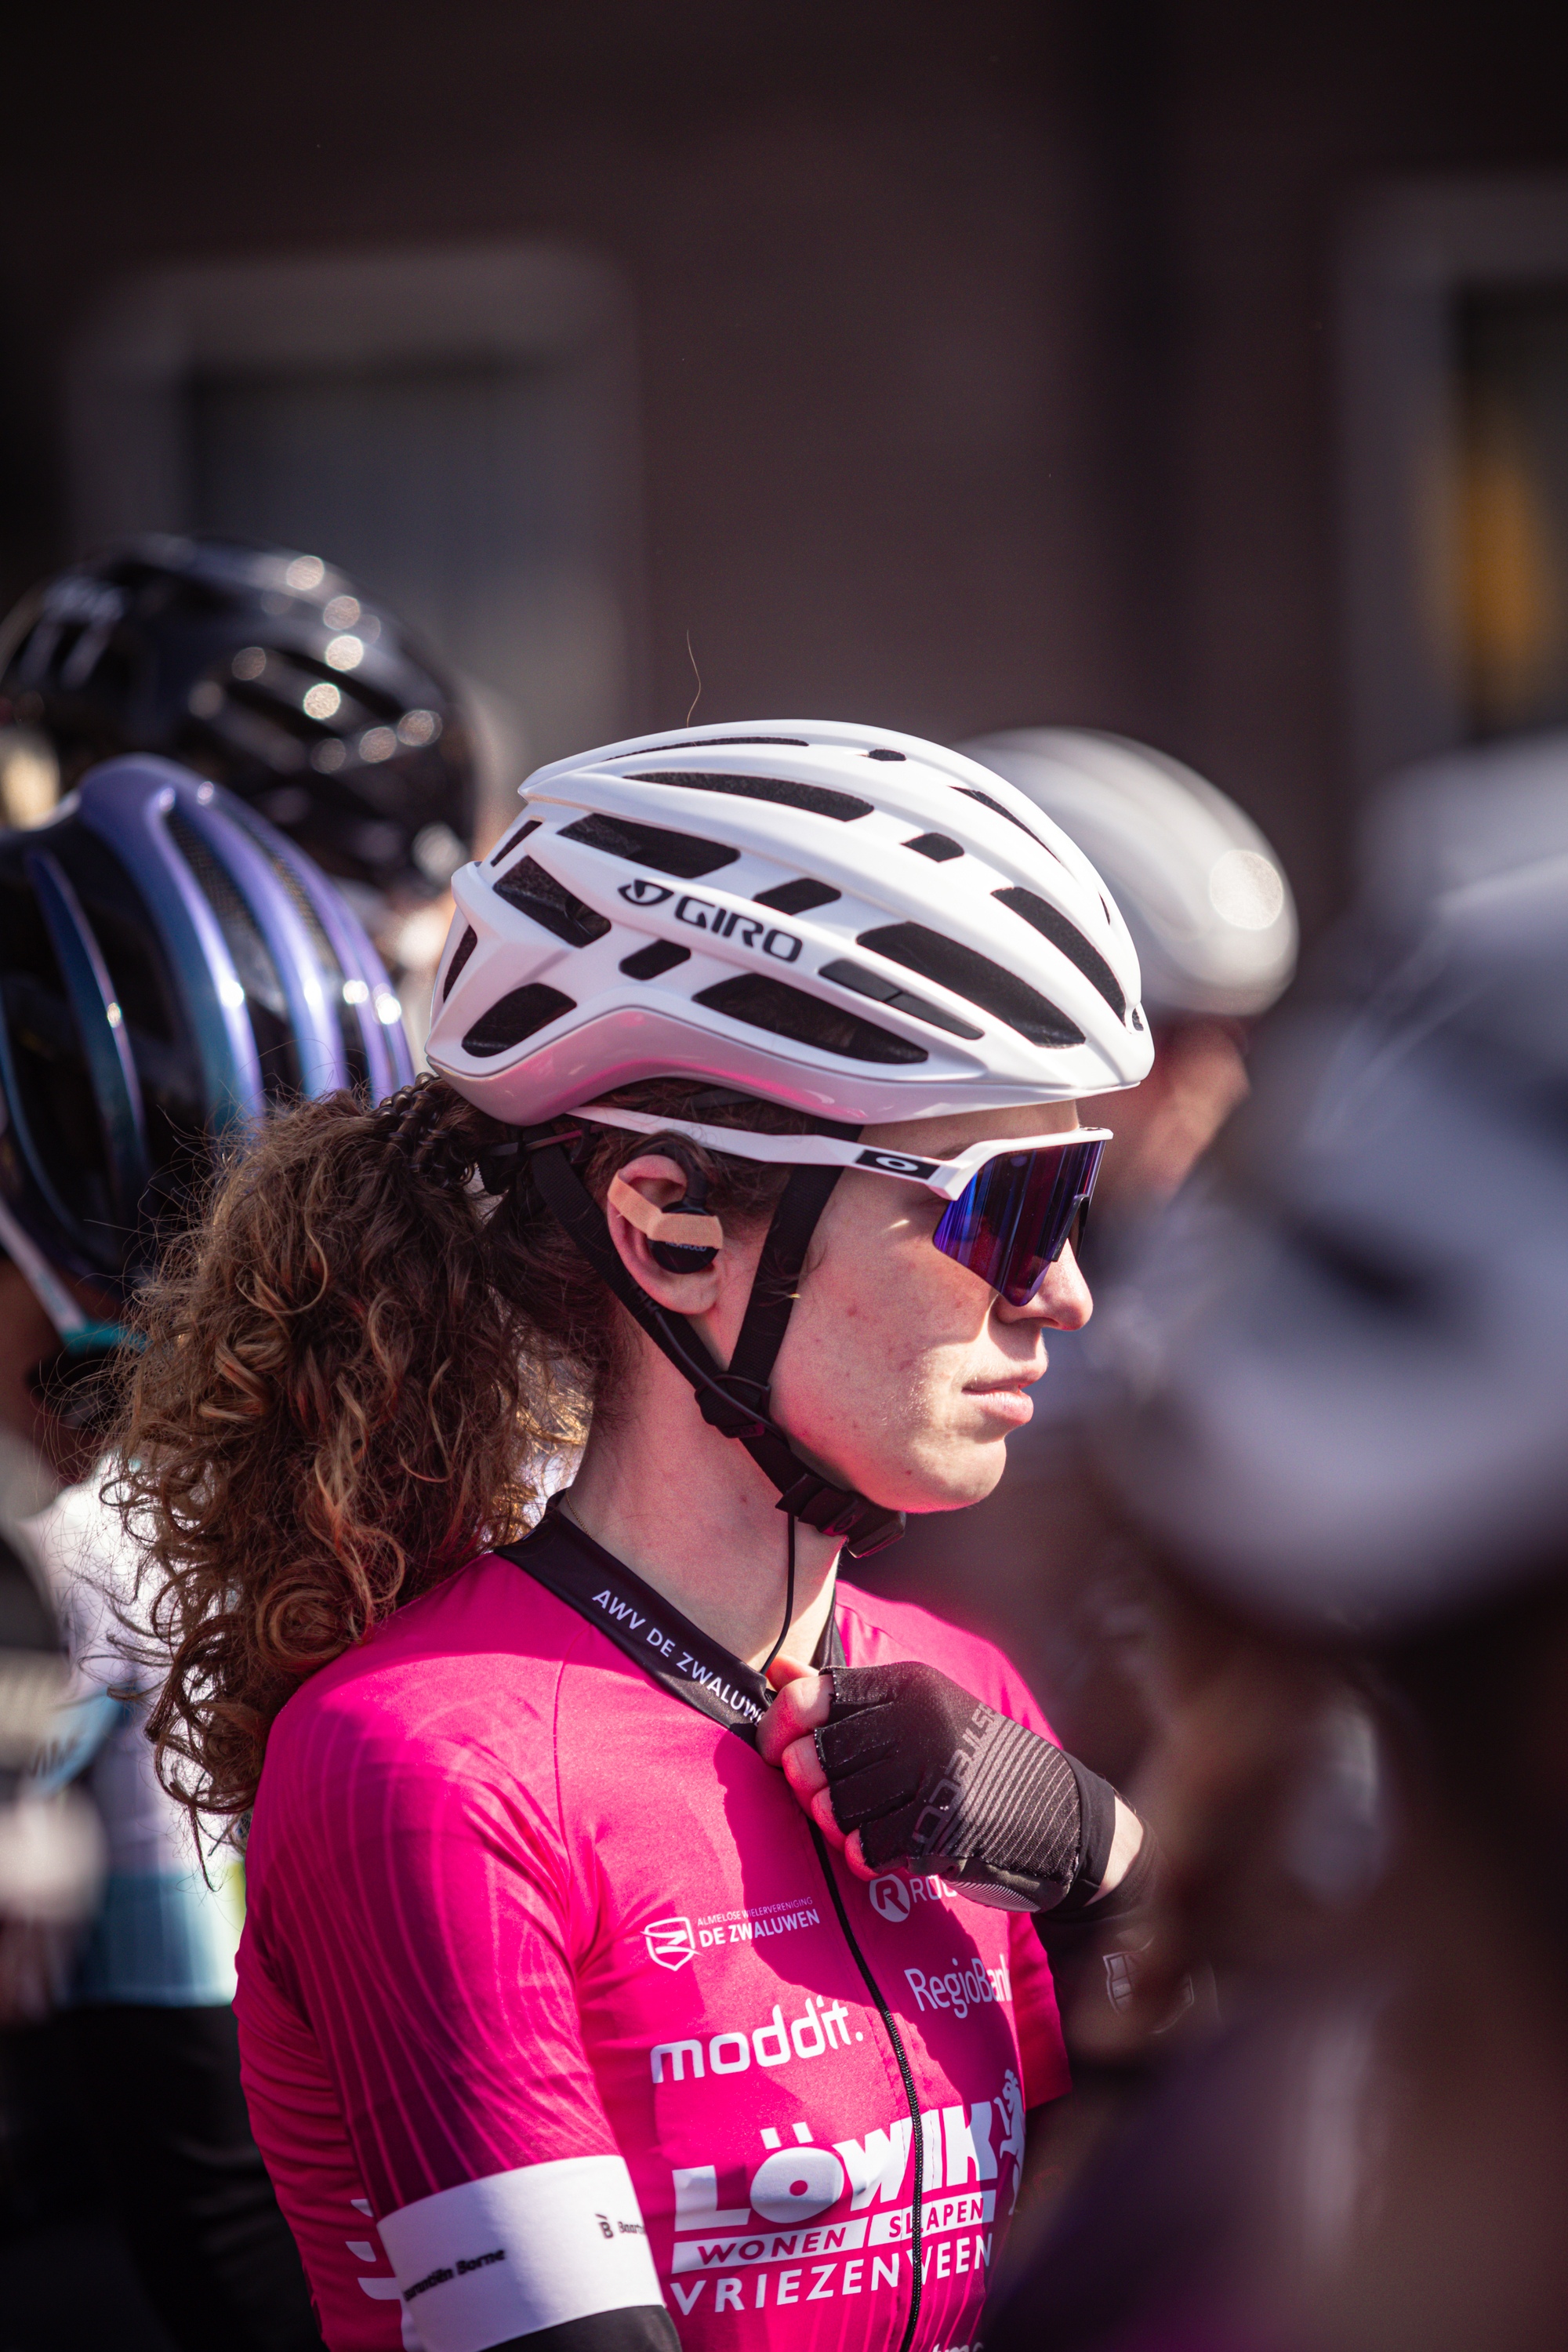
748,1172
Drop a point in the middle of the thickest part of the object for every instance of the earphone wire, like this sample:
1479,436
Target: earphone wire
789,1598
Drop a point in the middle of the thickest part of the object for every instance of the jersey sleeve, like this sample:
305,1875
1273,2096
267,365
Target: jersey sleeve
411,1910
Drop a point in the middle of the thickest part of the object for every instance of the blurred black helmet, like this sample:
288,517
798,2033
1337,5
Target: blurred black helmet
265,671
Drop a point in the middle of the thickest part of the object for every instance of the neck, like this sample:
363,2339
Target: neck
690,1512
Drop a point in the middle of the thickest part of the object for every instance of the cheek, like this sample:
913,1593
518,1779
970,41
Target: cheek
881,1328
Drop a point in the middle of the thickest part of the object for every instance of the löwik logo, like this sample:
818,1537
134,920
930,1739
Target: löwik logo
671,1942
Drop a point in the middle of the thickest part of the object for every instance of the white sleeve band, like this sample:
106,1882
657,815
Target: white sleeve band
479,2264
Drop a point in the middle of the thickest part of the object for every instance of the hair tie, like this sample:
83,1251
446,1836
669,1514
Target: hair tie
411,1121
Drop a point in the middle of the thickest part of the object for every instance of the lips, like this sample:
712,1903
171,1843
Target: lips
1007,1400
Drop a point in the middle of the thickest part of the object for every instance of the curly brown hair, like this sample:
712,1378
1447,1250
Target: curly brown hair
355,1367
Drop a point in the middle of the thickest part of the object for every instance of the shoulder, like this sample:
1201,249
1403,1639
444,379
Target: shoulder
476,1661
439,1731
876,1631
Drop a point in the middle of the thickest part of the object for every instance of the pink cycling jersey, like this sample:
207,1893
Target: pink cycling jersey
553,2004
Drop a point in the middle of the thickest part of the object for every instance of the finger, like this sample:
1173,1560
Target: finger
787,1670
803,1769
890,1784
799,1707
821,1812
855,1855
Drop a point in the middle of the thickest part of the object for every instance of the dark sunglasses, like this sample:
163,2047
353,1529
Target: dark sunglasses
1012,1206
1015,1215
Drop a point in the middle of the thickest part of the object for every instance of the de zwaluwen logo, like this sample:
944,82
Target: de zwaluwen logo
671,1942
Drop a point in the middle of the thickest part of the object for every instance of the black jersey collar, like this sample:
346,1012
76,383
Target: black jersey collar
671,1650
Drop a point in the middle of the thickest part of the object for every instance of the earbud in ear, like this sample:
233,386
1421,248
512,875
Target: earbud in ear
683,1257
701,1236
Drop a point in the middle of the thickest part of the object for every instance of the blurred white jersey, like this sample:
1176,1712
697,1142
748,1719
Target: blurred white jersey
163,1937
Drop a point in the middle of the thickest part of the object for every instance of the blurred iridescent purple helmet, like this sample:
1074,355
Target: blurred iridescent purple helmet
171,967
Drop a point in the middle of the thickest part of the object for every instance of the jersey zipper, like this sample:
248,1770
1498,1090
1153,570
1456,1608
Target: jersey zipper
916,2134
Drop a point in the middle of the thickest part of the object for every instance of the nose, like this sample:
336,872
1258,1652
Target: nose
1064,1301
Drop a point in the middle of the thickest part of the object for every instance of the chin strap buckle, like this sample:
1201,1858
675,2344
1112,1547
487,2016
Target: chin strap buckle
725,1411
864,1527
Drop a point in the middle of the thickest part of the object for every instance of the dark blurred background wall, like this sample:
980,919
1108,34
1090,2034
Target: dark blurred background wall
978,366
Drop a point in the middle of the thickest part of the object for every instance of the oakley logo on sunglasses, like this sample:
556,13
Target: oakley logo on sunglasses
897,1163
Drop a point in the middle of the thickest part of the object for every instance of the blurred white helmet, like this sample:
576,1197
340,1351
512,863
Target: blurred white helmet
848,921
1486,810
1353,1382
1201,892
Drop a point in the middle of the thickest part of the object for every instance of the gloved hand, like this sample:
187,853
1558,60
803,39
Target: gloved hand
899,1766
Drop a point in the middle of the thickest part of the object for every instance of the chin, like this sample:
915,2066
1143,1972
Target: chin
954,1485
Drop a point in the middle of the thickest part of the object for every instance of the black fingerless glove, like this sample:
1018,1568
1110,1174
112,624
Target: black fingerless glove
935,1780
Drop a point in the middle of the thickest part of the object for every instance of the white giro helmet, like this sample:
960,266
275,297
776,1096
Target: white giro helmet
1208,907
855,923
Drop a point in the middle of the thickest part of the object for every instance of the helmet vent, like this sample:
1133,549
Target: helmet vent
970,793
881,754
466,947
534,893
764,1003
289,883
785,791
797,898
513,1017
511,843
845,975
682,854
326,954
711,742
976,978
258,973
660,955
935,846
1054,925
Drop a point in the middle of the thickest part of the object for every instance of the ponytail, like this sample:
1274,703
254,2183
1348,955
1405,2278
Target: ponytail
355,1369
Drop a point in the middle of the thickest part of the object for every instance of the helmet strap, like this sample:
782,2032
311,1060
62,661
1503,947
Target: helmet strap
775,1285
735,1402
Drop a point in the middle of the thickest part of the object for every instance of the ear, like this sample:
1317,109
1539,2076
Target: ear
636,1211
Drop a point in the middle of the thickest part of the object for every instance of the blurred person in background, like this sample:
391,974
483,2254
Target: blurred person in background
1435,827
171,967
52,1845
272,674
1211,915
1348,1445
